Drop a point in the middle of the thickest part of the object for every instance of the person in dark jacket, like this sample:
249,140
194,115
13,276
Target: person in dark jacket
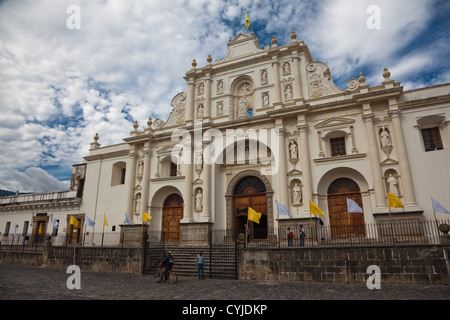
168,264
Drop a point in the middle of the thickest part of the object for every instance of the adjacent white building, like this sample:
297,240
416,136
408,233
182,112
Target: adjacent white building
259,127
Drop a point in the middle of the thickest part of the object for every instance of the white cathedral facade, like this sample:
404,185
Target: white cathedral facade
259,127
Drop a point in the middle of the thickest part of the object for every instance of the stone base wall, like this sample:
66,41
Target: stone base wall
26,258
123,260
194,234
426,264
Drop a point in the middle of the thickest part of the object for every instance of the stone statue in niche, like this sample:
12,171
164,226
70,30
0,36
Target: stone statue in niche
385,138
219,108
393,184
288,92
219,87
138,205
243,100
198,160
293,149
201,88
200,111
140,169
242,106
296,194
286,68
265,98
264,77
245,89
199,200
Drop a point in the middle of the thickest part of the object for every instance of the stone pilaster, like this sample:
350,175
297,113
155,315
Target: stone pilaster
380,193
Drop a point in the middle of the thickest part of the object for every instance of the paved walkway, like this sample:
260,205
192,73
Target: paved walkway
18,282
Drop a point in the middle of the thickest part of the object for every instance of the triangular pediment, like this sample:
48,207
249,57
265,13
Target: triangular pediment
166,149
240,37
334,122
242,45
388,162
295,172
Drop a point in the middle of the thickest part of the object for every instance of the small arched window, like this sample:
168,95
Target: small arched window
118,173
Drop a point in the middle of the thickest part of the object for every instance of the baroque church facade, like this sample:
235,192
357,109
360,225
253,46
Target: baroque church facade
257,128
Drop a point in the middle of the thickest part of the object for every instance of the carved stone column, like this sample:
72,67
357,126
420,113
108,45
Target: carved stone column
130,180
206,213
282,170
276,79
297,78
403,162
306,166
207,111
189,112
188,173
146,176
380,193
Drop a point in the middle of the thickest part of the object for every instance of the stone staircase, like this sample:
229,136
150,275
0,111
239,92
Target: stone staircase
224,263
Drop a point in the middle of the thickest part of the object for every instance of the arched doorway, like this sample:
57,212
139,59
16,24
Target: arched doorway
342,222
250,192
172,214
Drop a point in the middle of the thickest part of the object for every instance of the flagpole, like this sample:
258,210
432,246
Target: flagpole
103,230
310,220
390,222
278,214
142,229
123,232
245,16
434,212
435,220
84,237
246,19
246,233
349,219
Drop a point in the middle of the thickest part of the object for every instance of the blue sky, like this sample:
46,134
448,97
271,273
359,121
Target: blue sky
59,86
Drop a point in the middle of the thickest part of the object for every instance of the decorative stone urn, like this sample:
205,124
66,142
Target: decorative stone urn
445,237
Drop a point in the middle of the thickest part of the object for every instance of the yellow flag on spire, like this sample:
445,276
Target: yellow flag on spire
247,21
105,223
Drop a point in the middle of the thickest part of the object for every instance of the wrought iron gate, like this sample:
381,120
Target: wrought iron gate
223,255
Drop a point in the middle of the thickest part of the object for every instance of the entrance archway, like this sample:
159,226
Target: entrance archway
171,216
250,192
342,222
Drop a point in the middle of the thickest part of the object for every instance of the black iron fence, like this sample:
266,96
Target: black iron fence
380,233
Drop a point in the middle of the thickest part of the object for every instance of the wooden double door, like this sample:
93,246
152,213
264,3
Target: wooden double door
342,222
172,214
250,192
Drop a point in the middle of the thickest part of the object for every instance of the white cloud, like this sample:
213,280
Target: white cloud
36,179
342,37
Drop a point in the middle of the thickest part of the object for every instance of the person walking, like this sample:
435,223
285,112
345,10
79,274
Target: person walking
200,262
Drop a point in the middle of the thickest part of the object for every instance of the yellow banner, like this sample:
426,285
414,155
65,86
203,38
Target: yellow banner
315,209
74,221
253,215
